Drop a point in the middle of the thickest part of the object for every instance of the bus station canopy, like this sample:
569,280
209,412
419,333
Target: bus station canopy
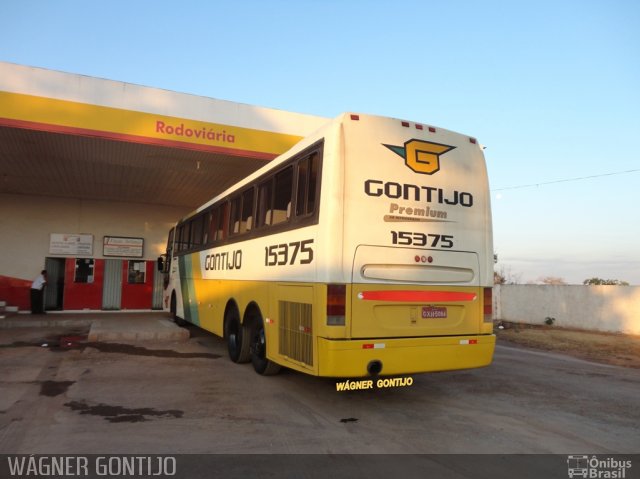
67,135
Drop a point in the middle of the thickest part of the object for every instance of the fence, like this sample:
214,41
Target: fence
599,308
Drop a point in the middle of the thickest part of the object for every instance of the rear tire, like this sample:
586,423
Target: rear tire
238,338
173,308
261,364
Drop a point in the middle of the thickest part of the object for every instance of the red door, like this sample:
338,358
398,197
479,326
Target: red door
137,284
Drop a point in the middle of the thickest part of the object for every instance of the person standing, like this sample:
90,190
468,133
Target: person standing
37,293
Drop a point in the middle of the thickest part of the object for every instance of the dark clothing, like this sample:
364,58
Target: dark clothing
37,301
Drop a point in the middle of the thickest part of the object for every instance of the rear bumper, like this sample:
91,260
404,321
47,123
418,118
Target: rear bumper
348,359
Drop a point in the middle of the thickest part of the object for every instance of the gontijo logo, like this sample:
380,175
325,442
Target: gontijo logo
421,156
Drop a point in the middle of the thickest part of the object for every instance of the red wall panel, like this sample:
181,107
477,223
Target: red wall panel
16,292
83,295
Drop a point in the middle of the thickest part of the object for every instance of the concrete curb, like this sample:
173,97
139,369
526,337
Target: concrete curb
156,330
43,323
113,328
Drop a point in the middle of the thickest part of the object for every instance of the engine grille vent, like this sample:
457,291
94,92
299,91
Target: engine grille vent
296,335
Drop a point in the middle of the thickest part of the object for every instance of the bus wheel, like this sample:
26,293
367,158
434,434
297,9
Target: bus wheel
261,364
237,337
173,308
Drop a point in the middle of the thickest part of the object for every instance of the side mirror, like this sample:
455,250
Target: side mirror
160,263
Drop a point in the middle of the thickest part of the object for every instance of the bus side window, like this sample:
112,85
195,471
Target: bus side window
282,196
170,244
235,214
206,218
307,182
312,189
180,238
263,210
186,235
247,211
213,225
223,222
197,227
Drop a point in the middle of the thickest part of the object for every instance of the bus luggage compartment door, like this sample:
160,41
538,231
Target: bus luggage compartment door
405,292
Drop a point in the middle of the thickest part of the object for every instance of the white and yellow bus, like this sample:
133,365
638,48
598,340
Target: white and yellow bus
364,250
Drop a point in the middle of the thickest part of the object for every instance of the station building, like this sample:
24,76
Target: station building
94,173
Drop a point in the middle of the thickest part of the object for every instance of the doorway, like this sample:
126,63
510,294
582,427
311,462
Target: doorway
112,291
54,291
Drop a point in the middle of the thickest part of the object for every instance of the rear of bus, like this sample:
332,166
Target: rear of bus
417,253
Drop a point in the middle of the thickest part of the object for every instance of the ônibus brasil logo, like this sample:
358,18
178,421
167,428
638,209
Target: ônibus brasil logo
421,156
597,468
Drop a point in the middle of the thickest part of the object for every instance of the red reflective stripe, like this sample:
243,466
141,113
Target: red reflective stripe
367,346
417,296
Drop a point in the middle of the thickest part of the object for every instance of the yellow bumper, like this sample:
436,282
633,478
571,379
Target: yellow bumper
346,359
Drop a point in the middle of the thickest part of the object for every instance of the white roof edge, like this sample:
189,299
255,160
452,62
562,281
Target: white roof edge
59,85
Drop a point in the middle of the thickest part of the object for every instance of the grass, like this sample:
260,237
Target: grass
608,348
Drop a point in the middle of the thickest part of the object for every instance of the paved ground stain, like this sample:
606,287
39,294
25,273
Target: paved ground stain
74,342
116,414
54,388
141,351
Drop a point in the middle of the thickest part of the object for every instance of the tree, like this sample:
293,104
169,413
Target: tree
552,280
598,281
504,275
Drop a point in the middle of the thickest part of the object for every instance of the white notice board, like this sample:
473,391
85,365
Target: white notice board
122,247
71,244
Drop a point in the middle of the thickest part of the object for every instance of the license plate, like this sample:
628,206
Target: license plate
433,312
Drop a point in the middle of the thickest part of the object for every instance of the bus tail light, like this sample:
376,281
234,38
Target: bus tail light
488,305
336,304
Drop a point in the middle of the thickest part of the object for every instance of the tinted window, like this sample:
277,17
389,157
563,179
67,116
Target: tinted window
197,228
213,225
182,240
307,182
170,243
246,219
282,196
223,222
314,173
263,208
235,214
288,197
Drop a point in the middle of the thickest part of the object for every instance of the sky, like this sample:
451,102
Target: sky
550,88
